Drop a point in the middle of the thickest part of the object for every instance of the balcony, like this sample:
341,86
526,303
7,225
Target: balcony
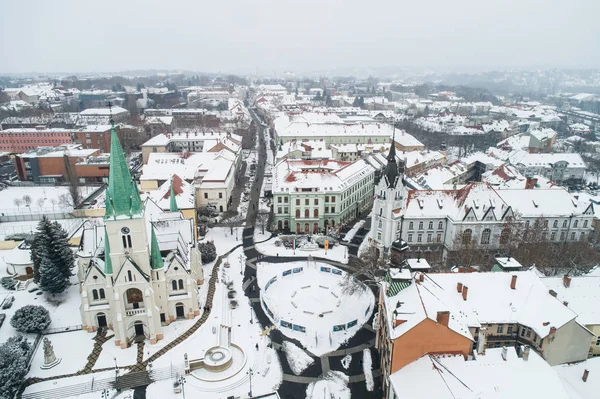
135,312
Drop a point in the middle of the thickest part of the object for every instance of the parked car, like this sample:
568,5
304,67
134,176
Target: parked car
2,317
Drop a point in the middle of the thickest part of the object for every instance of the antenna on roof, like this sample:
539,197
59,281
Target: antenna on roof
111,120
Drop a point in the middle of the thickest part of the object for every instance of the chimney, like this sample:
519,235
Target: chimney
552,330
459,287
530,183
504,353
421,277
465,291
443,318
566,281
526,350
553,293
565,303
586,373
513,282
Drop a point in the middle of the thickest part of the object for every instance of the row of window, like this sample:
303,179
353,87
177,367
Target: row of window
411,226
220,195
98,294
555,224
430,238
177,284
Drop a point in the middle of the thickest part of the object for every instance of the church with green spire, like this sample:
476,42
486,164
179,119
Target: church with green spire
139,267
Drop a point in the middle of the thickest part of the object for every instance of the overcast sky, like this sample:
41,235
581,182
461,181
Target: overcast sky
302,35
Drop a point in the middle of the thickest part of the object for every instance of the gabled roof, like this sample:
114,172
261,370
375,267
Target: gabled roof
135,266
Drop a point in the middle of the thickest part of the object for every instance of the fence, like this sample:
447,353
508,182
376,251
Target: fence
125,381
10,215
70,226
58,330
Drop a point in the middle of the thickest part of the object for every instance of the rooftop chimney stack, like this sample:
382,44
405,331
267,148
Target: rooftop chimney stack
553,293
465,291
443,318
513,282
586,373
566,281
459,287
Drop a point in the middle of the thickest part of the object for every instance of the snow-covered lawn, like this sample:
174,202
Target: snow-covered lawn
78,379
296,357
43,199
223,238
368,369
334,385
63,308
350,235
306,301
72,347
30,226
338,253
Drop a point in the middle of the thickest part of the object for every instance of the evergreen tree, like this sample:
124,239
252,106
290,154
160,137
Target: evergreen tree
208,251
39,246
64,258
31,319
13,365
356,102
52,279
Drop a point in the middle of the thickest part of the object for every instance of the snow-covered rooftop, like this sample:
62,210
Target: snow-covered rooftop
572,378
582,295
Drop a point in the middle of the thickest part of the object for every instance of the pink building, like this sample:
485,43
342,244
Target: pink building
19,140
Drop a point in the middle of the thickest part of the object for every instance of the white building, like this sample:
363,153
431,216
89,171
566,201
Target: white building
311,196
442,220
558,167
140,269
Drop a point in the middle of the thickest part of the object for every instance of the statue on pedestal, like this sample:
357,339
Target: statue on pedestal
50,359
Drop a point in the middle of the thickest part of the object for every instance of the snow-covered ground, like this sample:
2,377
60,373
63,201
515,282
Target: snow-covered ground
72,348
30,226
338,253
42,199
334,385
296,357
350,235
368,369
306,302
63,308
79,379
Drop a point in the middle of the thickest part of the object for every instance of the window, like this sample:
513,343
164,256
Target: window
419,237
306,201
297,213
380,211
500,329
333,209
297,202
316,201
306,213
102,295
466,236
585,223
576,224
326,209
485,236
553,236
174,285
411,226
528,332
180,284
527,224
380,225
440,226
333,199
598,341
279,200
509,330
278,209
95,295
327,198
285,200
205,195
316,213
573,236
430,226
562,235
439,237
378,236
555,224
429,237
545,224
420,225
286,210
410,237
126,239
504,236
129,276
582,236
220,195
564,224
522,332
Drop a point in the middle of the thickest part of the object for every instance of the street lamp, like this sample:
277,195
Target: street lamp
249,372
182,382
241,265
116,374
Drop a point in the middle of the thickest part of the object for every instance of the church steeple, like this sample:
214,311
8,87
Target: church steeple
172,199
107,262
156,260
122,195
391,169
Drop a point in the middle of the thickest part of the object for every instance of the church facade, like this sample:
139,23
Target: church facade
139,268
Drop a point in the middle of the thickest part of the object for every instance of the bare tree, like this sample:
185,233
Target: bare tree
40,202
232,219
263,219
18,202
368,269
73,180
27,200
467,252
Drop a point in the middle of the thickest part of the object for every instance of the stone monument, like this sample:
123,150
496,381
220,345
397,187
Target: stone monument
50,359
